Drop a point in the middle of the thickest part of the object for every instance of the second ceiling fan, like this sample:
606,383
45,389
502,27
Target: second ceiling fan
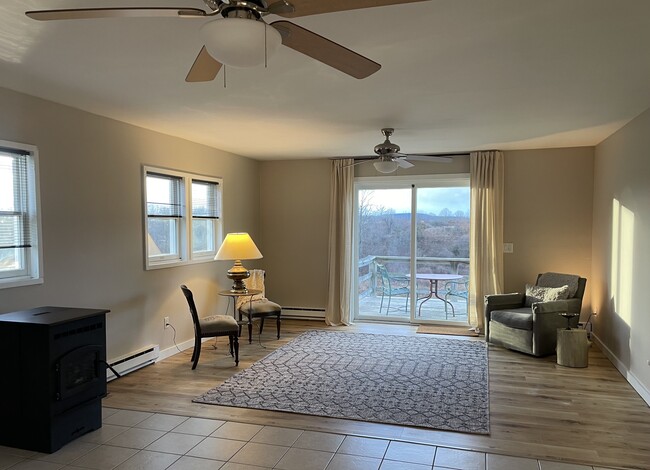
388,156
242,38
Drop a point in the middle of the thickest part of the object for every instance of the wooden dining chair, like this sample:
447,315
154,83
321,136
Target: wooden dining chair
209,327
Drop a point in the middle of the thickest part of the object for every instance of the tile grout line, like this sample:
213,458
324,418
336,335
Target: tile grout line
250,440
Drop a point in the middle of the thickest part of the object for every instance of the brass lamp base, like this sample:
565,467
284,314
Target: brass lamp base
238,273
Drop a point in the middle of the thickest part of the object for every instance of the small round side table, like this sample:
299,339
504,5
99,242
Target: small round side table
572,347
233,295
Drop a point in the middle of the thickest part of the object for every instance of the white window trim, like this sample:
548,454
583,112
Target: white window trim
34,274
186,255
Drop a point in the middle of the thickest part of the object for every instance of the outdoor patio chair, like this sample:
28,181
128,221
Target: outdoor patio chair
392,285
459,289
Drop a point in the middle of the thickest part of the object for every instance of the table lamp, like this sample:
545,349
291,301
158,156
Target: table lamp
238,246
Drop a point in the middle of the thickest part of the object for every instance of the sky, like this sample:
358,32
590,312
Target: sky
430,200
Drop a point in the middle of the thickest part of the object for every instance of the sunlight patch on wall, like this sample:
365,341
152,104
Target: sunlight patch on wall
622,262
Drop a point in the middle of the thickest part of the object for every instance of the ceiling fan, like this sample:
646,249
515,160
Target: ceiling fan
241,38
388,157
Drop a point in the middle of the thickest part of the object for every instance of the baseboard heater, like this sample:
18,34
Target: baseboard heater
303,313
133,361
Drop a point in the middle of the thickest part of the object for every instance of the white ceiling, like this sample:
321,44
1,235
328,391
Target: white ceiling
456,75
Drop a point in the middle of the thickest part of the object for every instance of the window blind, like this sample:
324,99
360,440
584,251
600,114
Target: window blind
15,222
205,204
164,196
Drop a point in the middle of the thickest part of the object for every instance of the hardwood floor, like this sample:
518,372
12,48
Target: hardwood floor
537,408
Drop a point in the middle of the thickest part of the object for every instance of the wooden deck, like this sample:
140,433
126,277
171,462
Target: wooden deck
432,310
537,408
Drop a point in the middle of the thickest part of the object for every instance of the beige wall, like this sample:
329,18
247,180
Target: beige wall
91,207
548,215
621,249
294,225
548,210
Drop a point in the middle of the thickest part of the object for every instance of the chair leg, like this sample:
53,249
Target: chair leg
388,306
250,330
239,334
261,324
278,321
381,304
197,351
230,338
235,341
193,351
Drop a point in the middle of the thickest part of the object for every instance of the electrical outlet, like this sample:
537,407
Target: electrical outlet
167,322
508,247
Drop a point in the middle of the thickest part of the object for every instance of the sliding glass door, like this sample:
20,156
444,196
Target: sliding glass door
412,249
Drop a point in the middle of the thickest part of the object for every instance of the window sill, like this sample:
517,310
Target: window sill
172,264
19,282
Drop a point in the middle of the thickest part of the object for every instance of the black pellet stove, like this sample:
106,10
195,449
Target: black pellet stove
53,375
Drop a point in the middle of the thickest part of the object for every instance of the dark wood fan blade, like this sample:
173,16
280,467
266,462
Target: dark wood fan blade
325,51
127,12
315,7
281,7
204,68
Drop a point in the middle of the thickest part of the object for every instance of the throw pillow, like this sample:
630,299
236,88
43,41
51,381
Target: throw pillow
559,280
545,294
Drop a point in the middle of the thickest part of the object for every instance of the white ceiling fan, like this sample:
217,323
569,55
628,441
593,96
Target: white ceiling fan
388,157
241,37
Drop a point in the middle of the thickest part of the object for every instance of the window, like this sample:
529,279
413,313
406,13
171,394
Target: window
205,215
19,219
182,217
412,248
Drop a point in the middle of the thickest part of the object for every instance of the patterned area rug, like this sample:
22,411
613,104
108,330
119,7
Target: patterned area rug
418,380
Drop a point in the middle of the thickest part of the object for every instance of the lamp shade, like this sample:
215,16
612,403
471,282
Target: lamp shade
238,246
385,166
240,42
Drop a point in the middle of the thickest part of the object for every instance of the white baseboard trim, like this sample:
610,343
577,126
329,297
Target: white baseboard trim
636,384
303,313
127,363
169,352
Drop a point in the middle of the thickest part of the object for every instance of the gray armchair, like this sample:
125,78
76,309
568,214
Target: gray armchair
532,329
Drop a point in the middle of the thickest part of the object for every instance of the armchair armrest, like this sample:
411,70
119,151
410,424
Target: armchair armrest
554,306
546,321
498,302
574,305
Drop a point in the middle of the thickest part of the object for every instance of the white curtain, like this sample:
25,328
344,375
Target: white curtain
486,232
340,243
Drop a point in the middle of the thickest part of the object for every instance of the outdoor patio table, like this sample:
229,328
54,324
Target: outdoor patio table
434,280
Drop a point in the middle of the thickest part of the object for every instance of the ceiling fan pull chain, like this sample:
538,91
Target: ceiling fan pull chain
224,76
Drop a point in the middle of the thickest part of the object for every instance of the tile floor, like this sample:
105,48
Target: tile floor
134,440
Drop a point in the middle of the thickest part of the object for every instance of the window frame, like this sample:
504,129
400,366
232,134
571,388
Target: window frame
32,271
186,254
412,183
213,221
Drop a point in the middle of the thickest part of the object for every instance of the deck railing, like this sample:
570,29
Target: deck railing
367,269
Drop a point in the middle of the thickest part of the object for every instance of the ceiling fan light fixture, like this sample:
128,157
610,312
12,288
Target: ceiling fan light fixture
240,42
385,166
